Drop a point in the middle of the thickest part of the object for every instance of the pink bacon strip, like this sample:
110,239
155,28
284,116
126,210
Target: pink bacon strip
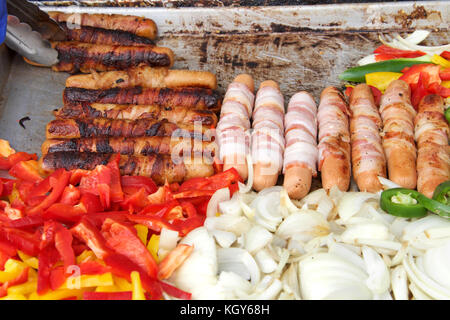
301,132
232,128
333,121
268,128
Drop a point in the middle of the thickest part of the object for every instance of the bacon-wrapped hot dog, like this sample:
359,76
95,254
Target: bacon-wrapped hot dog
300,155
232,129
195,98
103,36
160,168
334,140
398,115
132,146
99,127
144,76
267,135
135,112
140,26
86,57
368,159
432,134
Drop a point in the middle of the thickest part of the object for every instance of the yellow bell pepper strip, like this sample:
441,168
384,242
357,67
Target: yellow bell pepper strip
58,294
446,84
23,289
381,80
86,255
12,270
14,297
33,262
436,59
142,232
107,289
88,281
122,284
153,246
138,292
173,260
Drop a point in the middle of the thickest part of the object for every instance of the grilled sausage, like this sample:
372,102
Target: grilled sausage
195,98
99,127
86,57
232,129
142,27
301,154
132,146
144,76
160,168
431,134
398,115
368,159
267,135
135,112
334,140
103,36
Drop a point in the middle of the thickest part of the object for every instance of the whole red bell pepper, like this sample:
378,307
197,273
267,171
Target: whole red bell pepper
86,231
124,240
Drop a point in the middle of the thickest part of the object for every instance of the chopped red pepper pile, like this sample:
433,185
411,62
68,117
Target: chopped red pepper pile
91,234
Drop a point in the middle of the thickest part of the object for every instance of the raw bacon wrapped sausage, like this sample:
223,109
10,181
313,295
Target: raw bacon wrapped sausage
234,123
398,134
301,154
368,159
432,134
334,140
267,135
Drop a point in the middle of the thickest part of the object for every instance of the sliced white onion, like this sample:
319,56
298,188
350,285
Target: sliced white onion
379,277
351,203
224,238
374,230
240,262
290,281
257,238
213,204
286,202
388,184
168,240
236,224
399,283
304,225
231,207
265,261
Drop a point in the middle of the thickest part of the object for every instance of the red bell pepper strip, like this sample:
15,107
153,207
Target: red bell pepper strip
8,248
411,76
24,241
175,292
57,277
158,210
116,186
47,259
58,181
446,55
93,267
7,186
91,203
189,209
194,193
26,170
26,222
125,241
122,266
71,195
77,175
439,90
152,222
63,243
124,295
86,231
187,225
137,201
139,182
64,213
420,90
7,163
173,260
98,183
445,74
376,95
398,53
3,258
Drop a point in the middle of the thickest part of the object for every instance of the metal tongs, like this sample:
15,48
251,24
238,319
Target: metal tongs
28,31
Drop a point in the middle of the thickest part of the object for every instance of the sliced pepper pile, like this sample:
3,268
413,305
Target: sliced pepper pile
94,234
424,76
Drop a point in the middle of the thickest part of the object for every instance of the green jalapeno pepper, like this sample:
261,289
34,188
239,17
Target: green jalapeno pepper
402,202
